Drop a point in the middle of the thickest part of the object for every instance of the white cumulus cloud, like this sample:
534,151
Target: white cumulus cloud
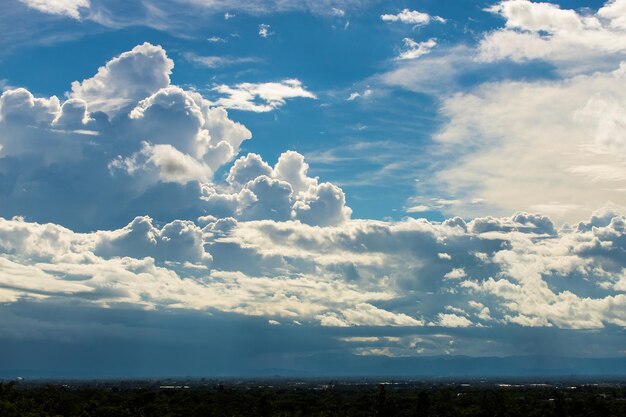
264,30
541,30
414,49
69,8
126,79
261,97
411,17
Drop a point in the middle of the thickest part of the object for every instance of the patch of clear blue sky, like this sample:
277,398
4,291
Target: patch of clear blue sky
373,148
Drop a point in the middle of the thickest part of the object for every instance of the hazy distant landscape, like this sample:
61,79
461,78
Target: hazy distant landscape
283,397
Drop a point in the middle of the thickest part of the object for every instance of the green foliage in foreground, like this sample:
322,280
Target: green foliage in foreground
334,401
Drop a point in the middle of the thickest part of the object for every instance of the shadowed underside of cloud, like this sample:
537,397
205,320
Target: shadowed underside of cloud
85,342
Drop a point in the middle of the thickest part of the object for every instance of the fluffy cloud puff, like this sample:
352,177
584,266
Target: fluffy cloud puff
257,191
125,79
128,136
179,241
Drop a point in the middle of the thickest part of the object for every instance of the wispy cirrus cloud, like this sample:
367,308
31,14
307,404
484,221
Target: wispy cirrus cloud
379,162
216,39
219,61
360,95
68,8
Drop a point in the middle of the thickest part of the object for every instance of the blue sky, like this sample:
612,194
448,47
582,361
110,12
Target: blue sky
402,179
332,60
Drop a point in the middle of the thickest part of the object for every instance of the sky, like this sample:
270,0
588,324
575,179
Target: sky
233,187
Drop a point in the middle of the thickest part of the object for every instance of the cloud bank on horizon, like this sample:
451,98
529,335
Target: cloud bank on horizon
133,192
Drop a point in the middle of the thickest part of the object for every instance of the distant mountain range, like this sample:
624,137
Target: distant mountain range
342,365
449,366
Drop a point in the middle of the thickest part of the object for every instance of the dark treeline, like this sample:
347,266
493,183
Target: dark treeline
327,400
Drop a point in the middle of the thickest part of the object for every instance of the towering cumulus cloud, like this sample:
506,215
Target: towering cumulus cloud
113,199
